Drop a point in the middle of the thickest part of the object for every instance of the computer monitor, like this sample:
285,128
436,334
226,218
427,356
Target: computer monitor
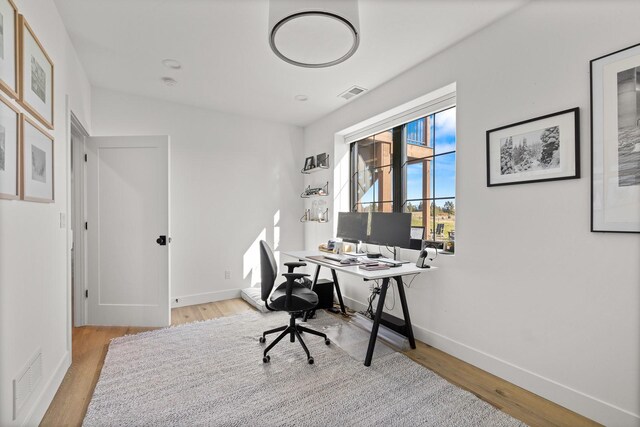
352,226
390,229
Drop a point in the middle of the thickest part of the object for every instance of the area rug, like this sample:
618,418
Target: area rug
211,374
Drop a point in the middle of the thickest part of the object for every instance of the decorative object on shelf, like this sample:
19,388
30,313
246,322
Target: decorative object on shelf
315,166
9,151
36,75
545,148
314,33
322,160
37,162
309,163
615,141
9,48
317,191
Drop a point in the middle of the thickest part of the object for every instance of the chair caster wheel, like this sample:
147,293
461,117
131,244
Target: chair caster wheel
262,340
327,342
310,360
266,359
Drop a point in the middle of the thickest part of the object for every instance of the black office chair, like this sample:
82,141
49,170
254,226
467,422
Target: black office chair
291,296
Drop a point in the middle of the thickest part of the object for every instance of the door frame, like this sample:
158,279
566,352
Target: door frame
78,208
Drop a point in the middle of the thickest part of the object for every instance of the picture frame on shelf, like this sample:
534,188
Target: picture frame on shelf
545,148
36,76
309,163
9,48
615,141
37,154
322,160
10,164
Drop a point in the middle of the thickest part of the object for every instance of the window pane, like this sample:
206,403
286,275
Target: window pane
445,219
420,214
419,179
419,138
445,131
364,186
383,148
365,154
444,173
375,207
364,207
383,184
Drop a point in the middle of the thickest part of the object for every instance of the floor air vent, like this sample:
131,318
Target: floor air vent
26,382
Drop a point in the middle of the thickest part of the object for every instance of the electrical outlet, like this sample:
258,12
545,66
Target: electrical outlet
227,274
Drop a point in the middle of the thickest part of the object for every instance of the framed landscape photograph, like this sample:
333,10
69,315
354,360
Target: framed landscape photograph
37,162
9,151
36,75
545,148
9,48
615,141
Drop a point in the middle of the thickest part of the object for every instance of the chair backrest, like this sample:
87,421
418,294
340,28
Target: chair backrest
268,270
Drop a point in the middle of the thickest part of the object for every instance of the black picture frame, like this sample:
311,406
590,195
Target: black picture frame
322,160
601,200
309,163
540,169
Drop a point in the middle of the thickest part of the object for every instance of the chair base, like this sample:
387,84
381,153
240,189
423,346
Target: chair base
293,330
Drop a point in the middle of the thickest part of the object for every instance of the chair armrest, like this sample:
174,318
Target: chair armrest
292,265
291,278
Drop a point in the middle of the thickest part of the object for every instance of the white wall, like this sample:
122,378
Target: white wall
531,294
234,181
34,291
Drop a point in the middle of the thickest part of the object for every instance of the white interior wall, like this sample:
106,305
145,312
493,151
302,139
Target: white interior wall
531,294
34,291
234,181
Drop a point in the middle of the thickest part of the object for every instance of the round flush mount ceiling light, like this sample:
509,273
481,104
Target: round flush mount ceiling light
172,64
169,81
314,33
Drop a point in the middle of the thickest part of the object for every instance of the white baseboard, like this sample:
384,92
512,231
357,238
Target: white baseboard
35,415
205,297
572,399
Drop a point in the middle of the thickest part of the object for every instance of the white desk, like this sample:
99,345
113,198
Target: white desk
394,272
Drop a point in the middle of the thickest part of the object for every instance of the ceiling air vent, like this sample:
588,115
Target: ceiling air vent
351,92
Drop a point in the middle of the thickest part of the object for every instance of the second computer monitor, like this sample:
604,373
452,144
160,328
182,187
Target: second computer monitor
390,229
352,226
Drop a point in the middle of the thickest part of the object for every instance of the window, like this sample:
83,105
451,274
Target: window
410,168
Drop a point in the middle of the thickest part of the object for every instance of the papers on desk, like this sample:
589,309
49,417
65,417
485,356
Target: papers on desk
376,266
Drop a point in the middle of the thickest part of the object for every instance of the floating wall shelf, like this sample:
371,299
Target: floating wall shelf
316,192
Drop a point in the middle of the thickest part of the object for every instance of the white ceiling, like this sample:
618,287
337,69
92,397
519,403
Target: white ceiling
228,65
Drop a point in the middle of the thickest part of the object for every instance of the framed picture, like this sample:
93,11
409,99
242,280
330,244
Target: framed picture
309,163
36,75
37,162
9,151
9,48
322,160
615,141
545,148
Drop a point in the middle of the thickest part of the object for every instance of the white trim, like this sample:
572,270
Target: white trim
39,408
204,297
430,103
575,400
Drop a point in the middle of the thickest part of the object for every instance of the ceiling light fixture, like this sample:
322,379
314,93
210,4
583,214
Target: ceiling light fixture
169,81
172,63
314,33
301,97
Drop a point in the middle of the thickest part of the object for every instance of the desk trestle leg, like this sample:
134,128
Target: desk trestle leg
405,311
376,321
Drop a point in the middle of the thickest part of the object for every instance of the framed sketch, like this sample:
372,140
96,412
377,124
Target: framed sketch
9,48
309,163
9,151
545,148
615,141
322,160
36,75
37,162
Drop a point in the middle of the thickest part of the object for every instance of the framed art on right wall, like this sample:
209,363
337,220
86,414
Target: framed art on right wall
615,141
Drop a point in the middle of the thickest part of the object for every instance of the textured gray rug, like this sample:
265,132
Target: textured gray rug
211,373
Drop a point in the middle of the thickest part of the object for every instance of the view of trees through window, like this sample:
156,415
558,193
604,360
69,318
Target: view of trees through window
410,168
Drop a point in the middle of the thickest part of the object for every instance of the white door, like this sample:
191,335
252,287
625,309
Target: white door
127,220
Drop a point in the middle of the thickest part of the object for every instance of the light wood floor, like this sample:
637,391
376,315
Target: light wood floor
90,345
